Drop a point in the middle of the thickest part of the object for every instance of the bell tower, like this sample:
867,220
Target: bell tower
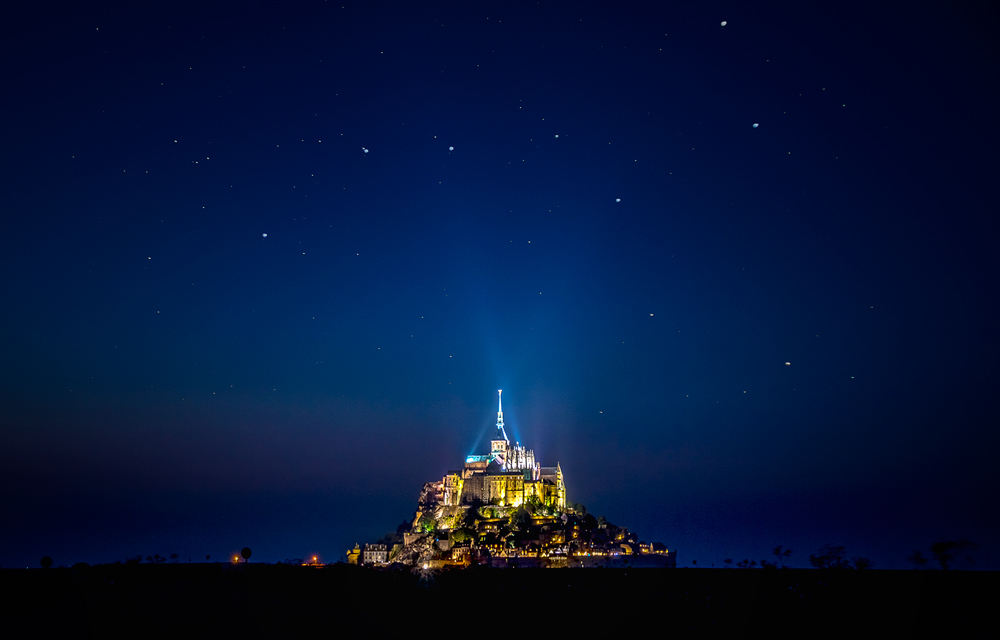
500,444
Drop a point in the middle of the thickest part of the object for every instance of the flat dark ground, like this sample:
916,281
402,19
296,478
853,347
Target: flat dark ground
119,600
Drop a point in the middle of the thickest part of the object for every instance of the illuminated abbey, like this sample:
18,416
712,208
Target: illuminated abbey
503,508
506,476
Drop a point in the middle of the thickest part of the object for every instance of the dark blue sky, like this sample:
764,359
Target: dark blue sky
568,201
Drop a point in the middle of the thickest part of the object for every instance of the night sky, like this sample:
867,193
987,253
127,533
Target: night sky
266,266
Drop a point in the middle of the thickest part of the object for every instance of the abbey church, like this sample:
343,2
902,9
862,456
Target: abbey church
507,476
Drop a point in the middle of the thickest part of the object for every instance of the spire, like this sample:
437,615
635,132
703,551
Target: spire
500,430
500,408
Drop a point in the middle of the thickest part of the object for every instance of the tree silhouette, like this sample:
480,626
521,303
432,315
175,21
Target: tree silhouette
950,552
918,560
832,557
521,519
781,555
246,554
46,562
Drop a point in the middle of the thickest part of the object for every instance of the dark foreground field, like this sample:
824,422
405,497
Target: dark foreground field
252,600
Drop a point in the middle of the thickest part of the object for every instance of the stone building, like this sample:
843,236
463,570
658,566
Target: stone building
508,476
375,554
353,555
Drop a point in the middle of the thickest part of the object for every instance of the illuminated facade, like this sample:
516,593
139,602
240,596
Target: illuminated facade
507,476
375,554
353,555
